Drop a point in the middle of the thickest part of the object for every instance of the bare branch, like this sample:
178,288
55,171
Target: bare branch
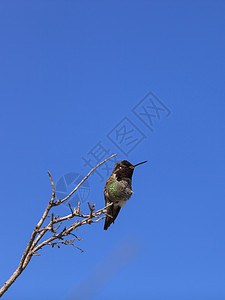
57,239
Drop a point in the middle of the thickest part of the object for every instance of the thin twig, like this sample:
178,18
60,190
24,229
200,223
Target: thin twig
85,178
70,208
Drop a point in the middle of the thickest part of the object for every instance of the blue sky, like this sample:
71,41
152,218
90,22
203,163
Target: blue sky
72,74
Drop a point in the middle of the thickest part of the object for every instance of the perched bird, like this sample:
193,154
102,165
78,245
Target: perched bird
118,189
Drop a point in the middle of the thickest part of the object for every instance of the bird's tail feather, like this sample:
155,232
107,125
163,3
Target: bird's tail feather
112,212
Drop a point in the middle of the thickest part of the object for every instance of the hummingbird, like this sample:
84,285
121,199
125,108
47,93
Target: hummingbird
118,189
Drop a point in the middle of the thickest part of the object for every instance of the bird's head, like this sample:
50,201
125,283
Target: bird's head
125,169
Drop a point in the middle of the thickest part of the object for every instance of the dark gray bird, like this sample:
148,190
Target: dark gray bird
118,189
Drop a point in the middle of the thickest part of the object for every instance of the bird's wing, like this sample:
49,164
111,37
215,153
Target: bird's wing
112,211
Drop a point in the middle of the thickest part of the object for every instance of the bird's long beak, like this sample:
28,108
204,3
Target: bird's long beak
139,164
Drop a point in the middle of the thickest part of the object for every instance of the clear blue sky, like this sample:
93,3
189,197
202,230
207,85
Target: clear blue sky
74,75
